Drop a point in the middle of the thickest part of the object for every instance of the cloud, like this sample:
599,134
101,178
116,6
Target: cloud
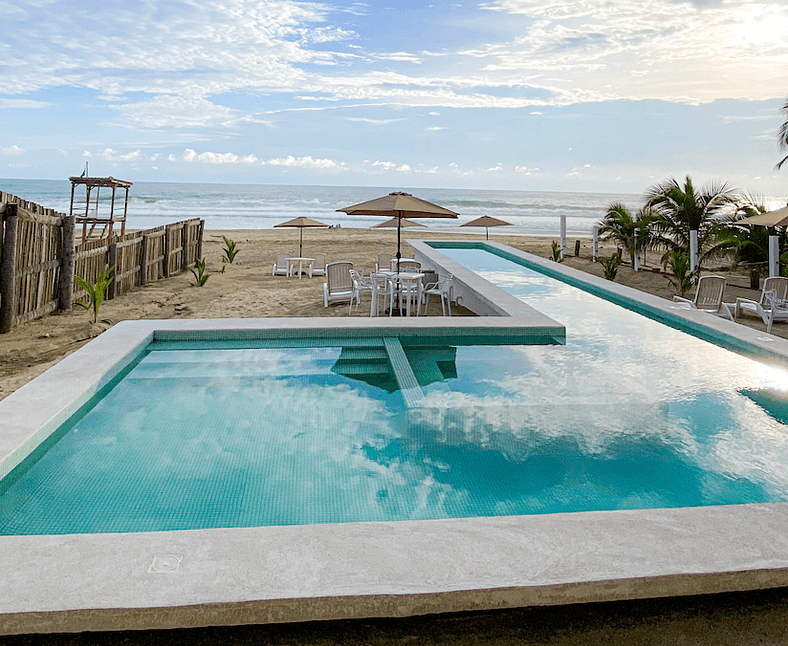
375,122
190,155
13,151
305,162
22,104
111,155
170,111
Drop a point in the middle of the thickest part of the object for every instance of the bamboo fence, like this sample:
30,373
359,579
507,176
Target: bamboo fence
38,259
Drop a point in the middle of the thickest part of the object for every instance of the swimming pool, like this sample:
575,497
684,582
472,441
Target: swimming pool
627,414
330,570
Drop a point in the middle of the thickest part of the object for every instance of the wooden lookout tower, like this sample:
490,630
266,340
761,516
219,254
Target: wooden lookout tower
91,221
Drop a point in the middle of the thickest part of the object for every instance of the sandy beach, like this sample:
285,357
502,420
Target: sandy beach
247,289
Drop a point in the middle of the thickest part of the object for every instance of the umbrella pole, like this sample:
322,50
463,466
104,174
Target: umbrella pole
487,231
399,229
301,243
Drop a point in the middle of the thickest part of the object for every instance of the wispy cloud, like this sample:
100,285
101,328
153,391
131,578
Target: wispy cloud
22,104
13,151
305,162
190,155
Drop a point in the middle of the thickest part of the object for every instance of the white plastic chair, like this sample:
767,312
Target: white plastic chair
281,266
359,287
382,292
708,297
318,267
339,284
440,288
384,261
774,288
406,264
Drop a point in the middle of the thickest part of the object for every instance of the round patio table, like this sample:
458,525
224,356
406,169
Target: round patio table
300,260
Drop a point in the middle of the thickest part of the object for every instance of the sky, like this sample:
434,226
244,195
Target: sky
564,95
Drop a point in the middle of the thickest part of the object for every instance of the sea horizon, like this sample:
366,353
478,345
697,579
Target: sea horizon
261,206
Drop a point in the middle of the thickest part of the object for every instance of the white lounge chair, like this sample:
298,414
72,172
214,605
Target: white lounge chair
281,266
708,297
339,284
318,267
775,291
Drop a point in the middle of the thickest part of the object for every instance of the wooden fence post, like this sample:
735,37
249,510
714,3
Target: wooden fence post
65,286
144,260
167,251
112,261
7,277
185,246
199,240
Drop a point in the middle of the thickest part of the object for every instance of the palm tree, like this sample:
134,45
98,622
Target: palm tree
782,135
750,244
619,225
678,210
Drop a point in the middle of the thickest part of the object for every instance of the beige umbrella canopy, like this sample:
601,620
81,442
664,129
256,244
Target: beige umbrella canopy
487,221
777,218
393,223
301,223
399,205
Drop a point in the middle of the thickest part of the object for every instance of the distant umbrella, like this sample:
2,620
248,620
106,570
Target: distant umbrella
399,205
486,221
301,223
394,222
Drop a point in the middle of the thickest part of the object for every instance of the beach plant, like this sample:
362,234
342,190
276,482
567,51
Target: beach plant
619,225
782,135
556,252
95,291
677,209
200,273
230,250
611,266
679,263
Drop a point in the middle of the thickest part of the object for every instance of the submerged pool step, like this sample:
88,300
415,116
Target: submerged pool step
362,361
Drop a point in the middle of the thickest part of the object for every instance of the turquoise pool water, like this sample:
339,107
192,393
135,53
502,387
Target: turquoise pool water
628,414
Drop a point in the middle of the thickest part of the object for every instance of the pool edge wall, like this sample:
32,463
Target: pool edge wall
388,569
286,574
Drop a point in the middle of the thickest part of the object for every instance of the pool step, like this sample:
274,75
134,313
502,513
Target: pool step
362,361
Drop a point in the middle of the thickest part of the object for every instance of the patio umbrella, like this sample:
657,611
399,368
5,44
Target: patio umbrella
301,223
778,218
391,224
400,206
486,221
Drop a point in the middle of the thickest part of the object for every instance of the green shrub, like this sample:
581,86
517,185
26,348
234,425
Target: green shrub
230,250
96,291
200,274
679,264
611,266
556,252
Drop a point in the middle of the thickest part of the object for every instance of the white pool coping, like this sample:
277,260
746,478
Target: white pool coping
390,569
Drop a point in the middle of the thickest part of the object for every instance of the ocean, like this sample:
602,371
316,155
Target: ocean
261,206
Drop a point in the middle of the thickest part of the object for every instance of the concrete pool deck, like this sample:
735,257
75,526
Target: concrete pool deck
81,582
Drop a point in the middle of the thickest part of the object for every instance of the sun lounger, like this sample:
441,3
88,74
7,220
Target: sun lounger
339,283
708,297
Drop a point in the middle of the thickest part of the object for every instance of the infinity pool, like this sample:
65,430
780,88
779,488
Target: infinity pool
628,414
